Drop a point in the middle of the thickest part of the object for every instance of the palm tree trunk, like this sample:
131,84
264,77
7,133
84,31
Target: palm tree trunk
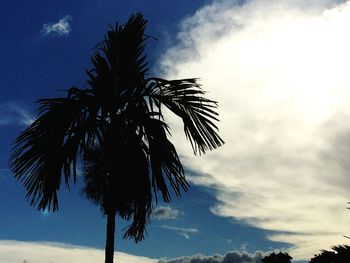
109,251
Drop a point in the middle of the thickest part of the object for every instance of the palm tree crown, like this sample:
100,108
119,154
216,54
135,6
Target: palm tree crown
115,126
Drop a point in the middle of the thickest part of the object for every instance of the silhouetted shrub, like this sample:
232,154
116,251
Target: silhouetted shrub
277,258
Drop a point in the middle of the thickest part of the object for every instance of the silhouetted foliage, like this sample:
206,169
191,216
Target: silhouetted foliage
277,258
116,127
340,254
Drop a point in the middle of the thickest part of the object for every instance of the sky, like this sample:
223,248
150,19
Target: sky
279,71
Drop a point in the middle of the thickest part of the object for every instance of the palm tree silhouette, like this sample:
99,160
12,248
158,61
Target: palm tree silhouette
115,125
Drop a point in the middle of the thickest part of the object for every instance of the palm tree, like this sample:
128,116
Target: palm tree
116,127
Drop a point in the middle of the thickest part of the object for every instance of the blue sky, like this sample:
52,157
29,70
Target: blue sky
279,72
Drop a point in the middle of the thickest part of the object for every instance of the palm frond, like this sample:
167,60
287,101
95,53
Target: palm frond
96,177
184,97
49,148
164,160
119,63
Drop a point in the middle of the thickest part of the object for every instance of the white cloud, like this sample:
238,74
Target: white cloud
44,252
11,113
61,28
181,229
230,257
280,71
165,212
186,232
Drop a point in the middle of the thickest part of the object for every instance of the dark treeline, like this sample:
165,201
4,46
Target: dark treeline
338,254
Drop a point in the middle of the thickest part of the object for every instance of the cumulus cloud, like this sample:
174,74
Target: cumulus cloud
279,70
43,252
230,257
61,28
165,212
11,113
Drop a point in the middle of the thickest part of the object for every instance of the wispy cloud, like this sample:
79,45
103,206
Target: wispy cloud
165,213
279,70
44,252
182,231
61,28
11,113
233,256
